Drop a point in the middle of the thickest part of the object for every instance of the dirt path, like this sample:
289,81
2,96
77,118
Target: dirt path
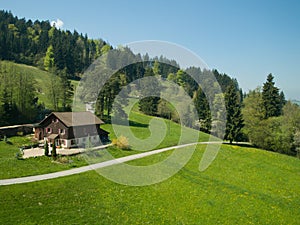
93,166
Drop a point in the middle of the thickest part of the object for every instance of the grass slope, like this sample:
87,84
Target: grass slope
242,186
10,167
41,77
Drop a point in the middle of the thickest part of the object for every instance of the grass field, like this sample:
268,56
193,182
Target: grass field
242,186
11,167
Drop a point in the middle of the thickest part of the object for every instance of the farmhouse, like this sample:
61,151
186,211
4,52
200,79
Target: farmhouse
71,129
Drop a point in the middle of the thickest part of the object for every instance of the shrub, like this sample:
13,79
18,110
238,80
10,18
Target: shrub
19,156
46,148
53,152
122,142
63,160
20,133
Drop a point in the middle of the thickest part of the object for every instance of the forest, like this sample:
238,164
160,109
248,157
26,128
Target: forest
262,116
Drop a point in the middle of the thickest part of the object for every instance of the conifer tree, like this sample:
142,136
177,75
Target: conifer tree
272,101
235,120
46,148
53,152
202,107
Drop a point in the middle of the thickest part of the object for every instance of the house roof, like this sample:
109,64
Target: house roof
76,118
53,136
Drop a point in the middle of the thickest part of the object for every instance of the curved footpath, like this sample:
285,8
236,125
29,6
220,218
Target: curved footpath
93,166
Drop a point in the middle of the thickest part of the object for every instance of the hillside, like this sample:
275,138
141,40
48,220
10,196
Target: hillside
242,186
42,80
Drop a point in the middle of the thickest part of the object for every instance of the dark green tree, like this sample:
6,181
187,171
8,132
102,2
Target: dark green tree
46,148
202,107
150,91
234,122
53,152
272,102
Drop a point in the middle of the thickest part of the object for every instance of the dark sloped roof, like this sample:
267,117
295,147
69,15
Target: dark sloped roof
76,118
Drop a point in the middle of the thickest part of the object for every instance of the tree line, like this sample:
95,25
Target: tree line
271,122
42,45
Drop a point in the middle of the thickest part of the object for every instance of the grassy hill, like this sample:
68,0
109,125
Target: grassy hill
41,77
243,185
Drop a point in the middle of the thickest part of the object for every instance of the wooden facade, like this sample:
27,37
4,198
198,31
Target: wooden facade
71,129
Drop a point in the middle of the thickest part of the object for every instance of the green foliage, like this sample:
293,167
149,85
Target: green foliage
234,121
218,116
164,109
46,148
121,142
18,98
53,151
49,59
203,110
275,133
272,100
39,44
150,91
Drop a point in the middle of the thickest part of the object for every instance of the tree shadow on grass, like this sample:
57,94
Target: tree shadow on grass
131,123
246,145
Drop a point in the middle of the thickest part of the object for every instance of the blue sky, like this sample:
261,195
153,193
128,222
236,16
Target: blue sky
244,39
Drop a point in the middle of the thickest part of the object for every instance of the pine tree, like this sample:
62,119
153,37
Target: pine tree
272,102
150,91
46,148
202,107
235,120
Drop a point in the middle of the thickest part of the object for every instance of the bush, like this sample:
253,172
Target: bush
63,160
53,152
19,155
46,148
122,143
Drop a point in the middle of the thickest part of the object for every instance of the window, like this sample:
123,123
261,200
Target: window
61,131
48,130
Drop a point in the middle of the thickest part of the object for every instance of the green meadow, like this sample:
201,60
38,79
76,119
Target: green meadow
242,186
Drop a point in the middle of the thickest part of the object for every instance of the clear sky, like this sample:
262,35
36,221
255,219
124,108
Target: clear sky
244,39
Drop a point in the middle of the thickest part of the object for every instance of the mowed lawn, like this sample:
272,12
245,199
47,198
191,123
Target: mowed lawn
242,186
